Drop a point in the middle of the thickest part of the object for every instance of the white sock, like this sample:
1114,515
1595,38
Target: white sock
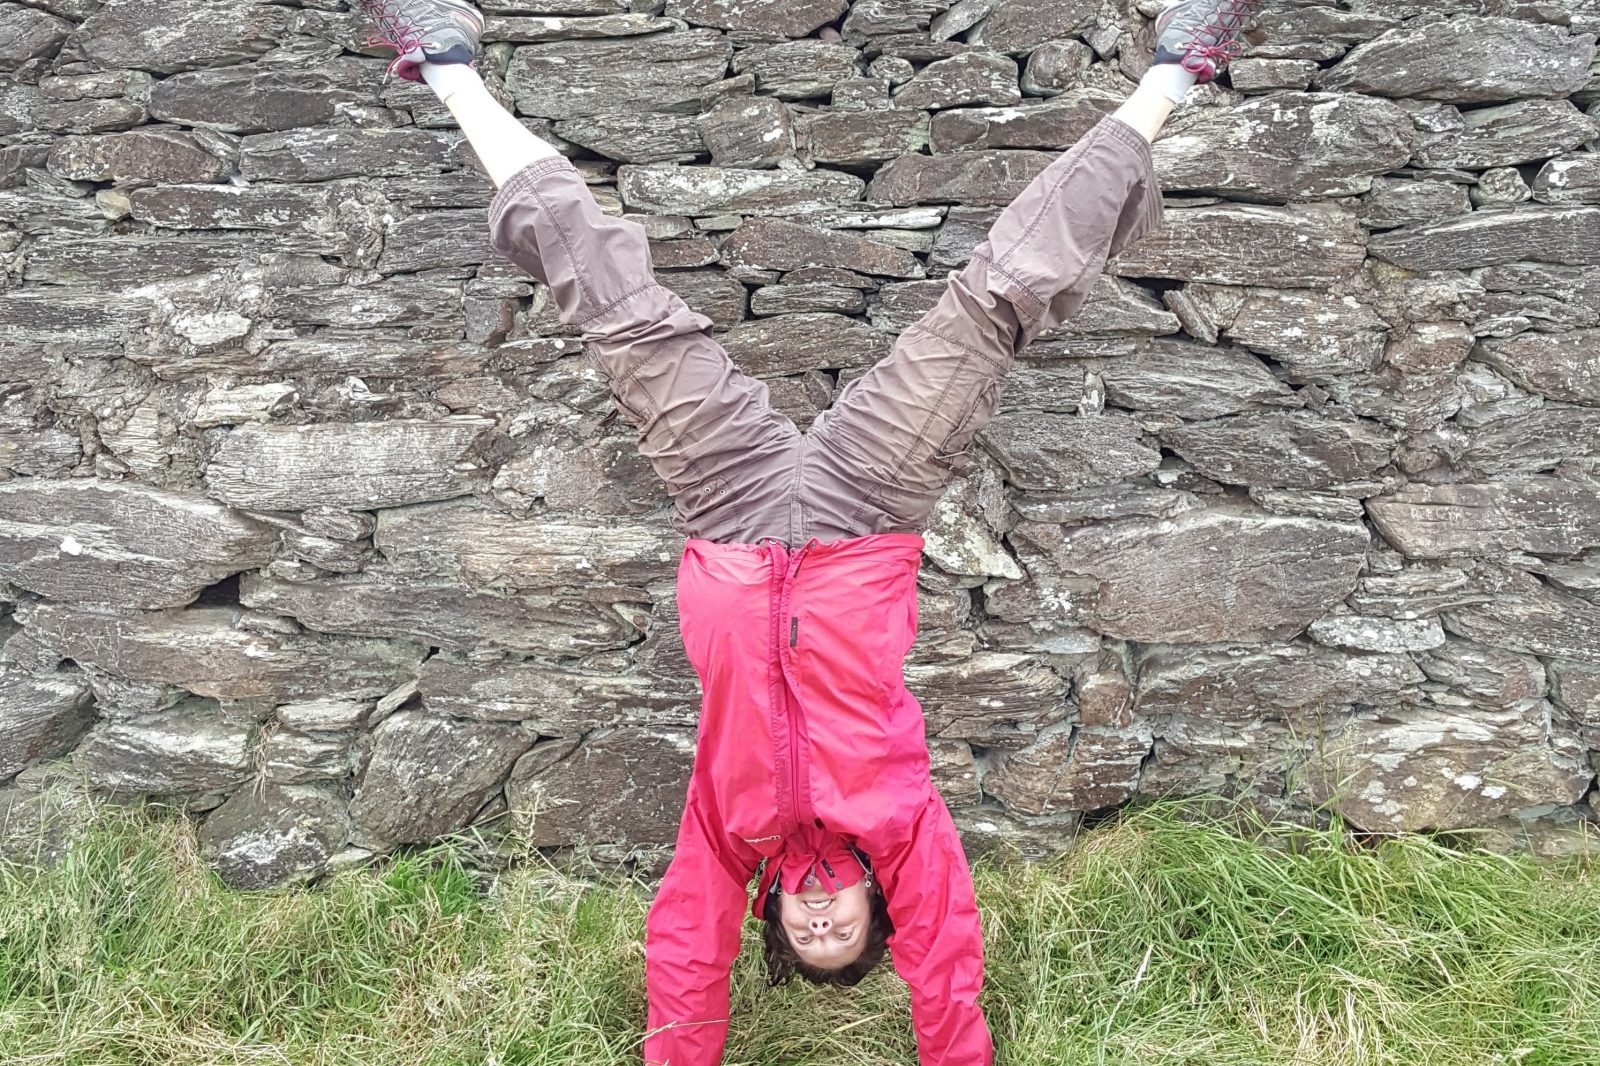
447,79
1168,79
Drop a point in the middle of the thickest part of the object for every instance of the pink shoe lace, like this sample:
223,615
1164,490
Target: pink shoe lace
393,32
1223,27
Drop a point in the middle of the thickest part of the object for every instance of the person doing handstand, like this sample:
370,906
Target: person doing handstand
797,585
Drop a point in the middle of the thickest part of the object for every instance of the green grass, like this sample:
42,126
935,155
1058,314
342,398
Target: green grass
1163,939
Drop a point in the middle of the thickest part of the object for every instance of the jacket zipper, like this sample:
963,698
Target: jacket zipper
791,706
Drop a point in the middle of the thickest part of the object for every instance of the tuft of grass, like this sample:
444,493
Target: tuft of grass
1167,937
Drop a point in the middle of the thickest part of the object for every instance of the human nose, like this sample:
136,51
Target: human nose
820,925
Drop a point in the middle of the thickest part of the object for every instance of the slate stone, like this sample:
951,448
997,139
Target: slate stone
1306,247
624,785
275,835
714,190
1241,682
1190,380
1522,132
977,178
193,747
1053,125
1488,677
444,613
1250,75
199,649
41,717
152,155
788,18
1062,453
1344,334
995,700
1541,515
1290,146
1537,440
753,132
525,29
576,79
121,543
1220,573
251,99
1360,633
1291,449
1023,25
860,138
30,34
806,298
181,35
1573,179
428,776
555,700
1412,770
372,464
1313,31
1532,618
969,78
772,244
1056,67
798,70
1071,770
1403,202
1562,235
1562,366
881,18
794,344
322,155
1442,61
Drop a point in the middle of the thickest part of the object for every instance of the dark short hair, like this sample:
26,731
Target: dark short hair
783,962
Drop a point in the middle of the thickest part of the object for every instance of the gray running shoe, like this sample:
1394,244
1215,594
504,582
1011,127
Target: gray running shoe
1203,35
424,31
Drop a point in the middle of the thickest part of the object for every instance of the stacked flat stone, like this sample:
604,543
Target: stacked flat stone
316,522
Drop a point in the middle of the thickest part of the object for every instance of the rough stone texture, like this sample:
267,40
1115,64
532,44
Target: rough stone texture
305,494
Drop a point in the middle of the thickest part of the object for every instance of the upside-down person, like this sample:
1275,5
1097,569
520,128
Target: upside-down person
797,584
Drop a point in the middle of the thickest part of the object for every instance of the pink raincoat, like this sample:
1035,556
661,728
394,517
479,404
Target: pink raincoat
809,743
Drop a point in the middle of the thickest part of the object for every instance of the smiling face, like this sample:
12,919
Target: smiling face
827,931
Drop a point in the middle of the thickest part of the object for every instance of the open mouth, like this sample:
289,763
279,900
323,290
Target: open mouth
818,904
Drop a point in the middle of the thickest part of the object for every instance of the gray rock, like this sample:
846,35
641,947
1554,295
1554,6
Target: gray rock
1241,683
252,99
807,298
1052,125
322,155
637,136
1306,247
771,244
991,699
747,132
1191,380
1219,573
969,78
41,717
525,29
859,138
201,650
1023,25
30,34
1071,770
1291,449
121,543
1488,677
1291,146
427,776
983,178
1345,335
1500,187
1056,67
788,18
1360,633
794,344
182,35
147,155
878,18
716,190
1562,235
1266,75
1522,132
1533,618
1562,366
1062,453
1403,202
1443,61
193,747
373,464
1414,769
556,701
1573,179
623,785
275,835
329,715
798,70
1465,520
989,831
575,79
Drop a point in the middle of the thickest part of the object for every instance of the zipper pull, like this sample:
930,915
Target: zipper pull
794,631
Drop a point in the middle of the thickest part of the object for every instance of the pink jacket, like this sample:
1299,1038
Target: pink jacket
808,742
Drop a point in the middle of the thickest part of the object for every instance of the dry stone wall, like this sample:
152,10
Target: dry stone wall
315,521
